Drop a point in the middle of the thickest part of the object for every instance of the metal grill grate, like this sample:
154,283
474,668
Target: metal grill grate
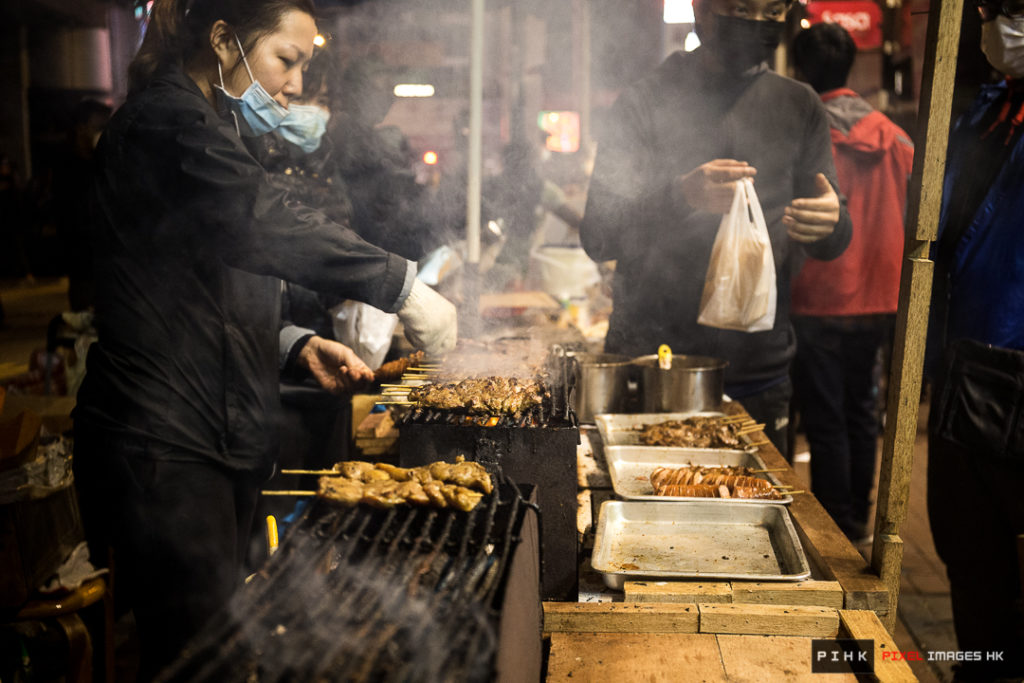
360,594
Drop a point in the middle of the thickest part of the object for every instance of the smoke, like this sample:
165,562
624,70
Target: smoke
531,64
321,610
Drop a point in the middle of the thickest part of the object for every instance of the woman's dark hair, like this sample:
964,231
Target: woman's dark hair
824,54
178,29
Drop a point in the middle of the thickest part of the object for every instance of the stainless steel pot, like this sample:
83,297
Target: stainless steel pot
694,383
601,384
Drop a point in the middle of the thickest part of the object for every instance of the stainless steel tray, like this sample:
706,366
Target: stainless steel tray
619,429
630,468
696,540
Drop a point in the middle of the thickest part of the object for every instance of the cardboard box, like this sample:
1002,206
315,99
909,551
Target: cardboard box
53,411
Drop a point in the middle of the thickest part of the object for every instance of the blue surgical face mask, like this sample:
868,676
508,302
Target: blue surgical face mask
304,126
255,112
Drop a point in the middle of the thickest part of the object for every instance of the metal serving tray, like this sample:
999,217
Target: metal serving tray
696,540
630,468
619,429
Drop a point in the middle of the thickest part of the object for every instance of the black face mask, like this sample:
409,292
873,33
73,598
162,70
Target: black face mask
744,43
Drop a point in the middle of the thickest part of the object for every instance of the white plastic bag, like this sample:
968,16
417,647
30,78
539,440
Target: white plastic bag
739,289
364,329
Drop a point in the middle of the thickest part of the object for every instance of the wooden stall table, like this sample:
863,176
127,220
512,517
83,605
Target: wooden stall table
717,630
616,641
840,577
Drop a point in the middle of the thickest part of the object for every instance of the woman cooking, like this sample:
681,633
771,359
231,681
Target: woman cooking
175,422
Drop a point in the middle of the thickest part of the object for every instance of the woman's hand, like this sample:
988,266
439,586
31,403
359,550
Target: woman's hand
711,186
813,218
335,366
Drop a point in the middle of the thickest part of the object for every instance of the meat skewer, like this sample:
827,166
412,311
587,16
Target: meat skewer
394,370
711,482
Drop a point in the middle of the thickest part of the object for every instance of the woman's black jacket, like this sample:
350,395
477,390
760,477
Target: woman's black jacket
191,242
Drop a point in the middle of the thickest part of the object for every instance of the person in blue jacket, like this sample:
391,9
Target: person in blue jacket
976,361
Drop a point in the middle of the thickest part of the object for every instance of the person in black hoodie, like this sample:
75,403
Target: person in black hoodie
176,418
665,174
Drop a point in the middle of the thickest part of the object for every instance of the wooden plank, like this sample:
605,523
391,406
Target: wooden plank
678,591
777,620
924,200
865,624
924,196
585,518
891,560
376,426
817,593
825,544
771,658
619,617
362,404
536,299
656,657
591,467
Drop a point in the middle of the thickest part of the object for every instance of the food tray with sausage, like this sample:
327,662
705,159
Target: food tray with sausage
705,430
696,540
675,474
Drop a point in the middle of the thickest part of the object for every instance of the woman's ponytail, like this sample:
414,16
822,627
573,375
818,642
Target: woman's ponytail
167,41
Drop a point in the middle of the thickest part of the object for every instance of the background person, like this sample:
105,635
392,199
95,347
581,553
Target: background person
844,310
666,173
976,361
176,420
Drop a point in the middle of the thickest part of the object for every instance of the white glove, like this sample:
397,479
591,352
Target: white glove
429,320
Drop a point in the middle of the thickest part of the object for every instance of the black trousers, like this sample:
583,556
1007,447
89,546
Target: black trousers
975,499
178,531
836,392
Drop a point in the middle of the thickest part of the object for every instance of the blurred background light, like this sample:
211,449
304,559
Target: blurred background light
414,90
678,12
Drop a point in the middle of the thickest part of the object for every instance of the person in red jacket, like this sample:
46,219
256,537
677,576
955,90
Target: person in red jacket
843,310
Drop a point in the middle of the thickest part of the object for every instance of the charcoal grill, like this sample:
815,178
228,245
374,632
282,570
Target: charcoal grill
406,594
538,447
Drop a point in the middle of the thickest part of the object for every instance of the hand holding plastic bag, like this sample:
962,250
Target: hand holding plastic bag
739,289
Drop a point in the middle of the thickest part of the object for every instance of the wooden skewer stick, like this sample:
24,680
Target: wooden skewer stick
765,442
770,469
288,493
425,368
734,418
396,403
793,493
750,429
403,386
322,473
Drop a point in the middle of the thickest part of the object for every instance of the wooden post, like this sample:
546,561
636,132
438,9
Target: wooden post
924,200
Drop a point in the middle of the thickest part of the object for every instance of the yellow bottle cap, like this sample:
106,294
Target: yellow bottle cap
665,357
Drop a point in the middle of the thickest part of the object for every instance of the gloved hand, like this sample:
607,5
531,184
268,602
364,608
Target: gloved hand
429,320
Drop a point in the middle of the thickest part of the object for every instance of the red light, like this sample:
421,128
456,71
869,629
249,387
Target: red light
430,158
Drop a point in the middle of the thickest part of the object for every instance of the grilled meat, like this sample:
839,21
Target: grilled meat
691,432
468,474
711,482
392,371
460,485
486,395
